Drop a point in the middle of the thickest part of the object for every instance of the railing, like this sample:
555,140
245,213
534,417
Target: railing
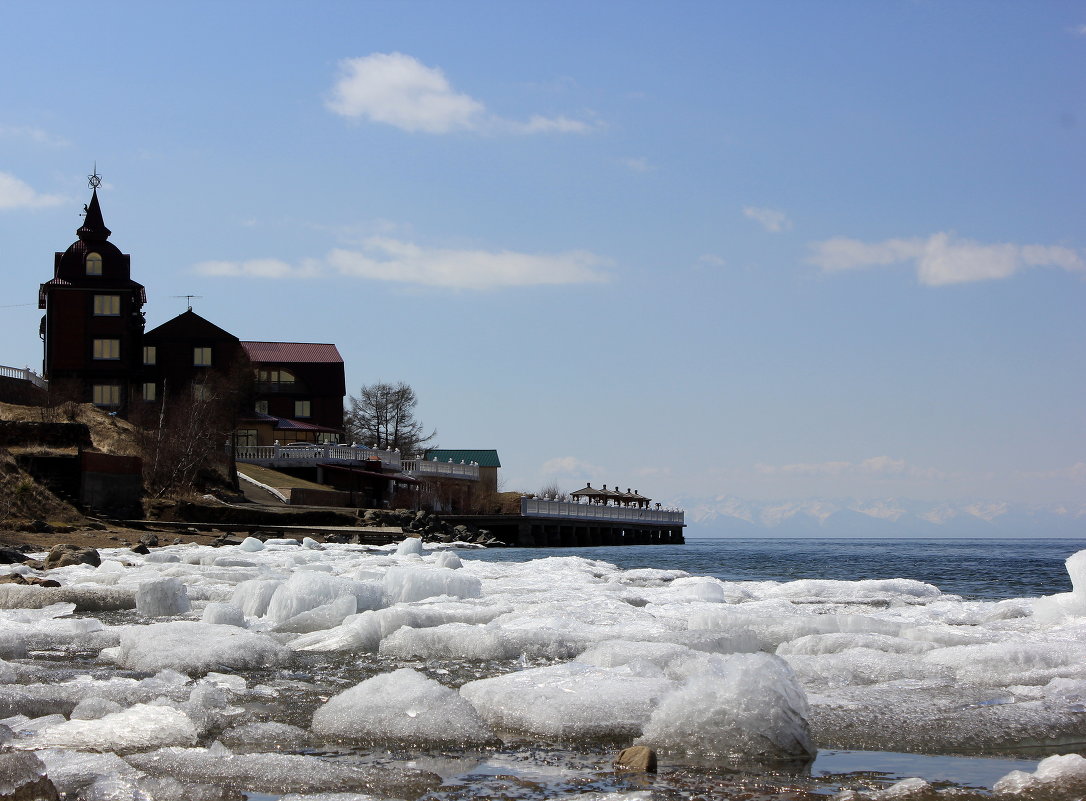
566,510
421,467
286,455
294,454
25,374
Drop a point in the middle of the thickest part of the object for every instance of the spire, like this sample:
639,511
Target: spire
93,227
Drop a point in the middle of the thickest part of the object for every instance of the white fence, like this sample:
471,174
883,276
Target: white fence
26,374
294,454
566,510
286,455
421,467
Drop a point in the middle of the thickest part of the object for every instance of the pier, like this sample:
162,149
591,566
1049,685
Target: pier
564,524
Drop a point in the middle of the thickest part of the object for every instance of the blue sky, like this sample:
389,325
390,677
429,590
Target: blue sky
770,250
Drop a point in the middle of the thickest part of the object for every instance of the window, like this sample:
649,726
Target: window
106,395
149,389
301,408
201,357
262,407
94,264
276,376
150,354
246,436
200,392
107,349
107,305
328,439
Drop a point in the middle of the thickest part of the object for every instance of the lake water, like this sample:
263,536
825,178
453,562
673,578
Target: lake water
972,568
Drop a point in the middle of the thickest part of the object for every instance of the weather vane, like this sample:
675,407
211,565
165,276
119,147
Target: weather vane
94,179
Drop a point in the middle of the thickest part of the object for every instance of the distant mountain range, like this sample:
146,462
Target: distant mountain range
725,516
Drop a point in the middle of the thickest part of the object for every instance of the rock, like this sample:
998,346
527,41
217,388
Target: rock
637,758
65,554
9,556
140,548
22,778
150,540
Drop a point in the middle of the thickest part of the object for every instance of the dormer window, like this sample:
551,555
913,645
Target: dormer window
94,264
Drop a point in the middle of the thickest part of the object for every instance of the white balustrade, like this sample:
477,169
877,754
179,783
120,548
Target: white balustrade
567,510
422,467
295,453
25,374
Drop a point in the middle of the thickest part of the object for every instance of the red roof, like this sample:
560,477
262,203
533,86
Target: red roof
284,352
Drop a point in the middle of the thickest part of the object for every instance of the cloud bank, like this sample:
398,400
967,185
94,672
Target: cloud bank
399,90
388,259
942,258
17,194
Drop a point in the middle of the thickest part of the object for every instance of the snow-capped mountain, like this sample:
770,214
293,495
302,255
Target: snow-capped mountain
728,516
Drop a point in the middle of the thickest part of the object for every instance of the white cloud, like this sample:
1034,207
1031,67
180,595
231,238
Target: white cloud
36,135
1080,30
386,259
399,90
637,164
942,259
17,194
570,467
540,124
710,260
771,220
258,268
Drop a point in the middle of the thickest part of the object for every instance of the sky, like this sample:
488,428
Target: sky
767,250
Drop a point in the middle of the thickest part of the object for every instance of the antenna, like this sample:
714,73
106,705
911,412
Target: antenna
188,299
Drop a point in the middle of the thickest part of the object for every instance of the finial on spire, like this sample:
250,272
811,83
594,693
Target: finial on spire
94,180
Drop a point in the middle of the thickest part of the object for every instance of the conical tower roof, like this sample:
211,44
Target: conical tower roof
93,228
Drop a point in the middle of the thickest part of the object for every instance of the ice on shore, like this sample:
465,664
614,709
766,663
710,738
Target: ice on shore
744,707
192,647
572,701
139,728
281,773
1062,775
403,706
572,649
406,584
162,598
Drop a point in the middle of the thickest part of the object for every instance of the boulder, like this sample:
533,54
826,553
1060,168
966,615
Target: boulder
65,554
636,758
8,556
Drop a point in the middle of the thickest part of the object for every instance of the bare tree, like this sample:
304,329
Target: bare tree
383,415
182,435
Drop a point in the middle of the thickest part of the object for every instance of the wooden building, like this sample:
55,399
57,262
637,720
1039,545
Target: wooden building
93,323
96,351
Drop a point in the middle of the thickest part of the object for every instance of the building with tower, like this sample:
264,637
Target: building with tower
97,351
93,324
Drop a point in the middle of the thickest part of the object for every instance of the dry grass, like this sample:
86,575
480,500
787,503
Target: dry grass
109,434
22,498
